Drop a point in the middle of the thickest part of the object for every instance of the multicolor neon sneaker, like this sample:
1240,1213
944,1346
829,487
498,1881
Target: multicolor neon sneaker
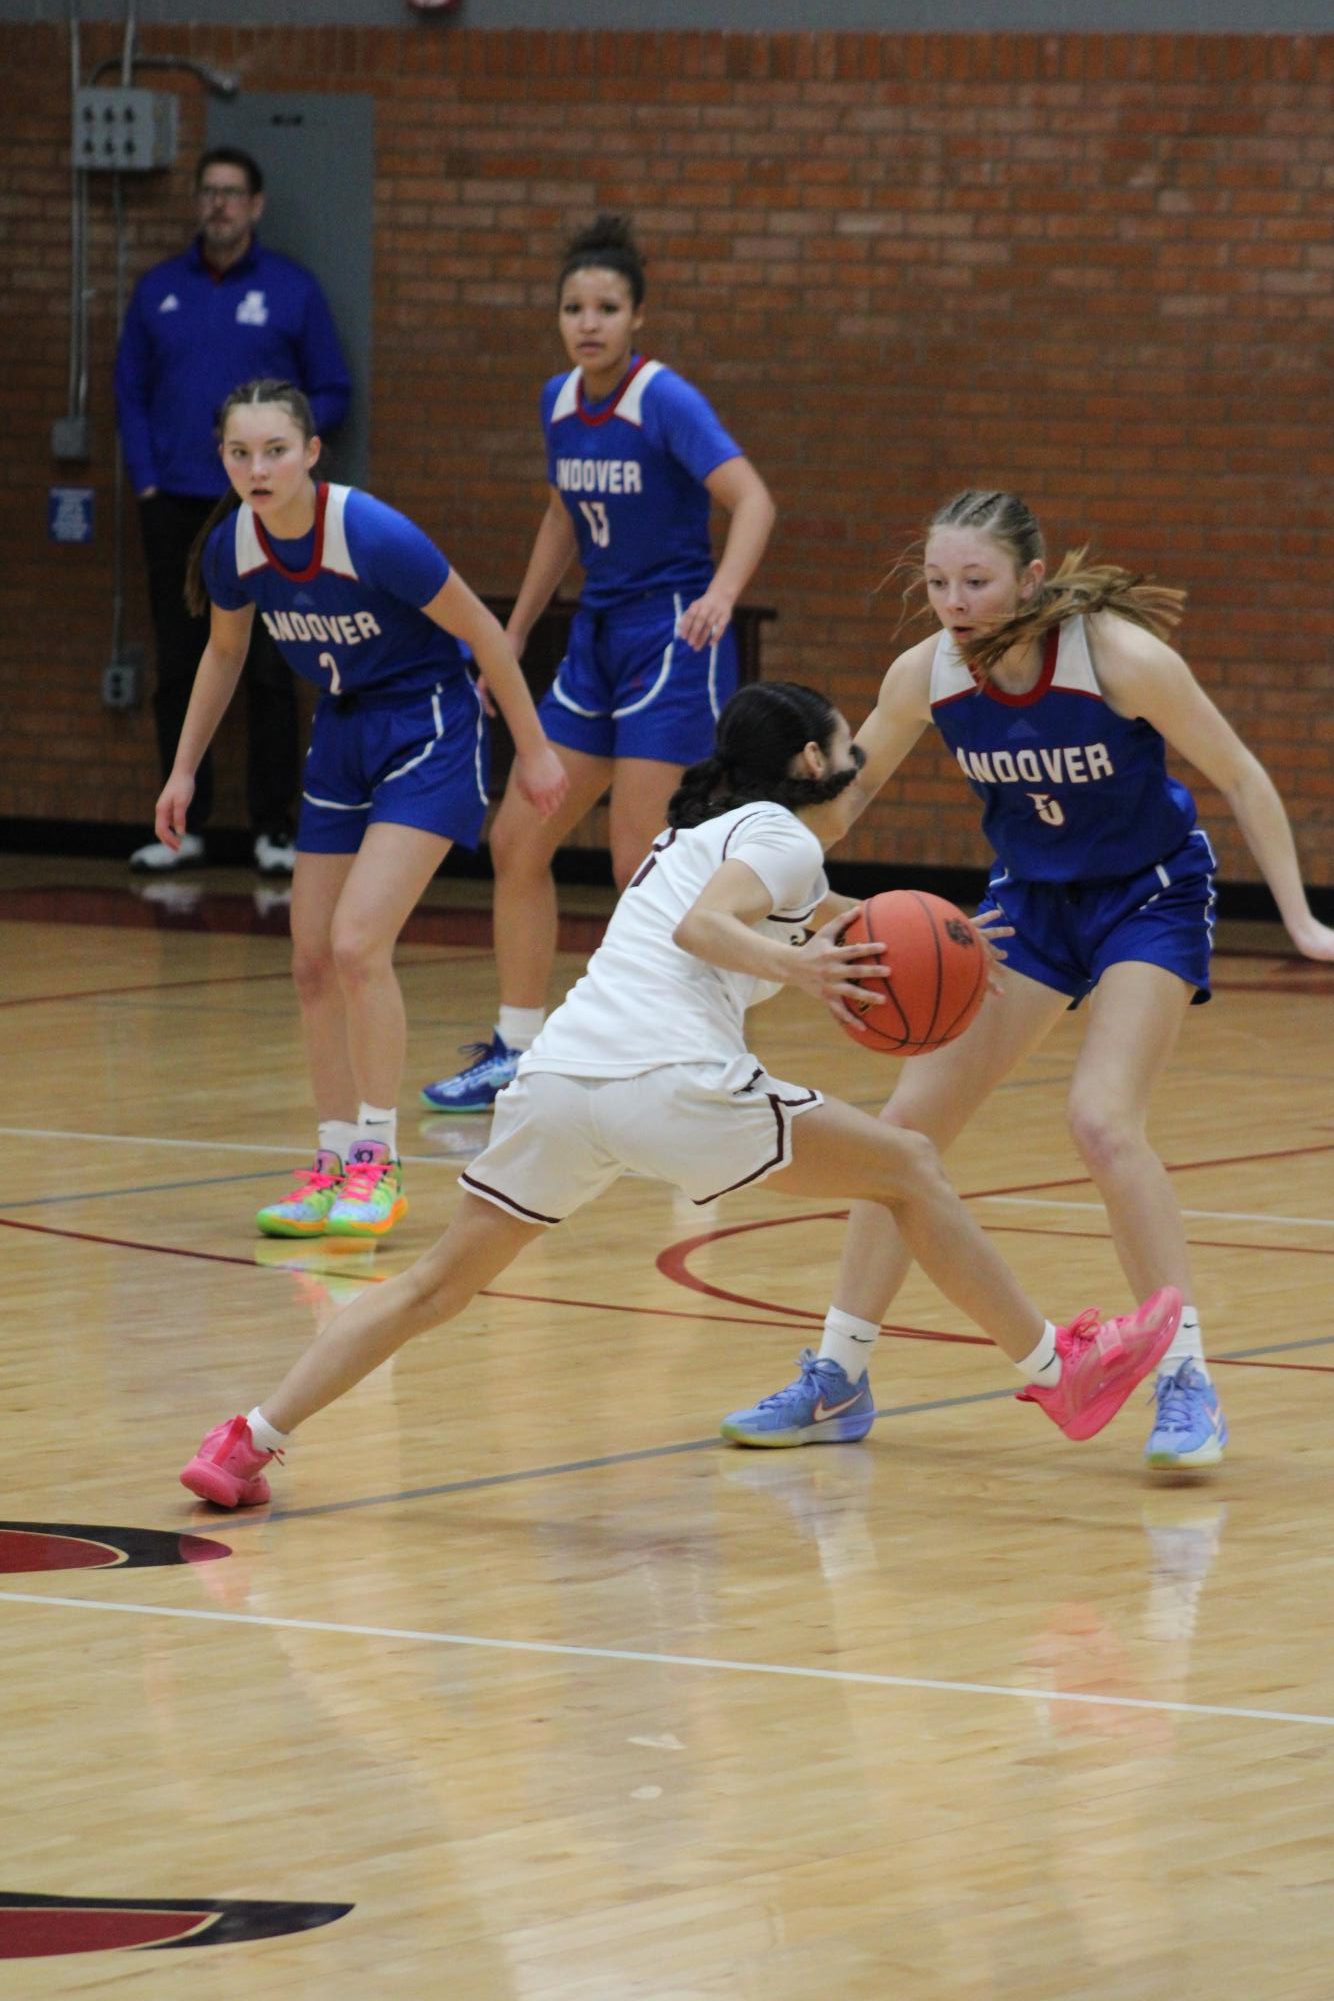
1189,1428
371,1199
305,1211
228,1468
822,1407
1102,1360
476,1088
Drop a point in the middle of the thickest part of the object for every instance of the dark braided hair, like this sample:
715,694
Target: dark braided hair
764,726
608,244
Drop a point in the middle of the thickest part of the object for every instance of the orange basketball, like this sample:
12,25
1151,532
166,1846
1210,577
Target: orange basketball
937,972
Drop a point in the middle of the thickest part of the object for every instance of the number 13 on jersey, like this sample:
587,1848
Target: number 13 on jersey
599,527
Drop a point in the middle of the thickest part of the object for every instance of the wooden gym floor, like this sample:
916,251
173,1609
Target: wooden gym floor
528,1689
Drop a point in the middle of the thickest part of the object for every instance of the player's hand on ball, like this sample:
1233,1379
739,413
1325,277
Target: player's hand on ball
541,779
829,971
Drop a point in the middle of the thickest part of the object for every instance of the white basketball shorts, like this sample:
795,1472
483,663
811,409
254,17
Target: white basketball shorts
558,1141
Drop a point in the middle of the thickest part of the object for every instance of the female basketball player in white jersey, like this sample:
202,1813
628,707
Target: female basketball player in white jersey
645,1067
1057,699
635,457
362,603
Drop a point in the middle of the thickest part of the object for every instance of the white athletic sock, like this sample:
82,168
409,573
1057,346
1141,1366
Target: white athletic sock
848,1341
519,1027
379,1122
266,1437
1043,1366
1187,1343
337,1136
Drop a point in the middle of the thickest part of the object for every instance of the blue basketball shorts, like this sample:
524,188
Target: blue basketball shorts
630,687
1066,934
418,759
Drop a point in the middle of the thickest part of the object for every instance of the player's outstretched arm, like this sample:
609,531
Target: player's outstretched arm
719,927
216,677
901,713
1142,676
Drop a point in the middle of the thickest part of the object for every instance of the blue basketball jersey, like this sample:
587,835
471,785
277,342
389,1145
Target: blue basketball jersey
1071,791
342,603
631,471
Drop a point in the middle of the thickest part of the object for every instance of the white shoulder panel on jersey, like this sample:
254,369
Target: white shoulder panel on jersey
631,404
337,556
567,399
950,673
249,554
1074,662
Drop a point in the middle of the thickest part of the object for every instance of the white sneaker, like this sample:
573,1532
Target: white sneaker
274,857
158,859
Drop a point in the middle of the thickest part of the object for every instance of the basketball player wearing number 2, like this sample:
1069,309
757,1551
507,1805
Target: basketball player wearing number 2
645,1067
361,602
1058,699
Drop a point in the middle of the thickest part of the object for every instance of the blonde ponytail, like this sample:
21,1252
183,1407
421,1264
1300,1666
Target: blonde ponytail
1079,588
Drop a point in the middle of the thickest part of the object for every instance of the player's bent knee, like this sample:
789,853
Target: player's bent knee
1101,1139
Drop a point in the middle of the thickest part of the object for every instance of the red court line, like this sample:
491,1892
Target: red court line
1196,1243
1239,1362
375,1278
233,913
892,1333
208,980
1172,1167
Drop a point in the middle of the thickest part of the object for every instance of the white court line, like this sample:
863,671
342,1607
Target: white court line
1201,1215
552,1647
298,1147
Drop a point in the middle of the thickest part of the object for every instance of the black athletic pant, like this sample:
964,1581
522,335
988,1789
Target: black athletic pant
170,523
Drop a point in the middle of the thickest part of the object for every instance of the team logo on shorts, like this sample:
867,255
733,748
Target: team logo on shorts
43,1927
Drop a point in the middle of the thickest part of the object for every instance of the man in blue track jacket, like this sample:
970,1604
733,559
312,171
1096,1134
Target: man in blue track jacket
224,312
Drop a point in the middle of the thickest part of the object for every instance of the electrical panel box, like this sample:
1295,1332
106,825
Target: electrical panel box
123,679
124,131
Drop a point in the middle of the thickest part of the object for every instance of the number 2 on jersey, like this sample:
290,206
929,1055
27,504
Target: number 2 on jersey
335,685
599,527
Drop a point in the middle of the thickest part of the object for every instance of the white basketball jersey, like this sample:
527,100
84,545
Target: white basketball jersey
643,1001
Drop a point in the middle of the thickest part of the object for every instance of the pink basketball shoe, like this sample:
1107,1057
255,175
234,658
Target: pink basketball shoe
228,1468
1103,1360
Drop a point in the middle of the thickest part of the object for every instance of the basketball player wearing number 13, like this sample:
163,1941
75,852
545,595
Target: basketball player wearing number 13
635,459
645,1067
1058,698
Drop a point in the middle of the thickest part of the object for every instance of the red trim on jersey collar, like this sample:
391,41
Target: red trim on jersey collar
312,568
1051,648
581,408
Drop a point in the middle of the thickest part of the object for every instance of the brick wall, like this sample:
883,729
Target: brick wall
1097,269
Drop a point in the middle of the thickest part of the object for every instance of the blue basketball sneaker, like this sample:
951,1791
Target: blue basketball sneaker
822,1407
1189,1428
476,1088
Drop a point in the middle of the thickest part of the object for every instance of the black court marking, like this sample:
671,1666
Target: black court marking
45,1546
41,1927
256,1518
